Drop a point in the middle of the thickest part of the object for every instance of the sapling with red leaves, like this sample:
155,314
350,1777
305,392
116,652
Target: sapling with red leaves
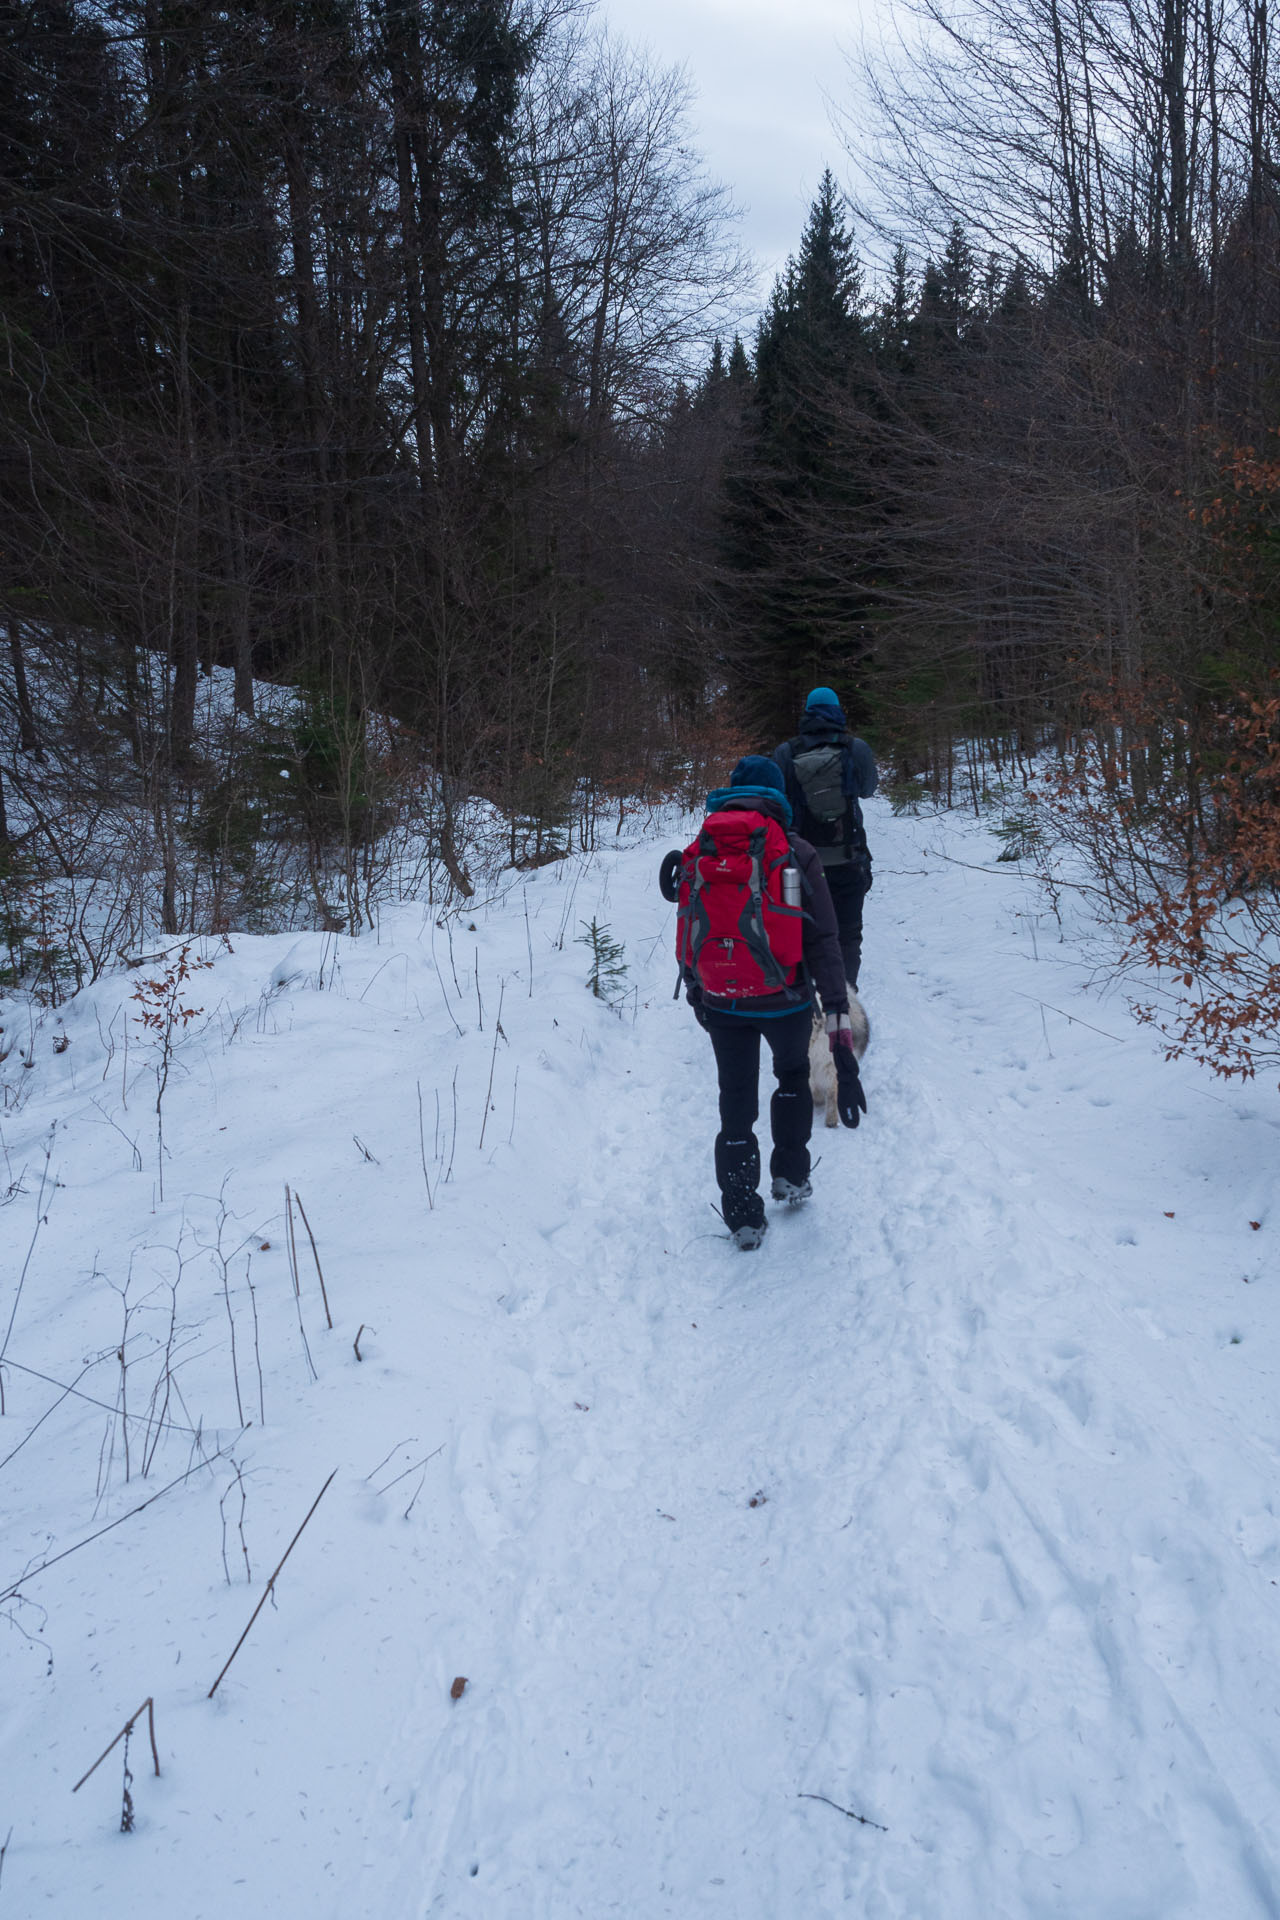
1178,819
166,1019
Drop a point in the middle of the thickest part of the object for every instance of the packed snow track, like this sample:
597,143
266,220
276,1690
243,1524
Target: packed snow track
921,1566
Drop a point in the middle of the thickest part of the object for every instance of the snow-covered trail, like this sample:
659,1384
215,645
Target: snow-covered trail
955,1506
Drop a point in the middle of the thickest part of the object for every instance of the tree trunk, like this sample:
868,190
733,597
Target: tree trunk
28,737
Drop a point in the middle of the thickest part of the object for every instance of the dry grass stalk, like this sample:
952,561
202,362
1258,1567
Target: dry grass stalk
266,1594
147,1707
315,1255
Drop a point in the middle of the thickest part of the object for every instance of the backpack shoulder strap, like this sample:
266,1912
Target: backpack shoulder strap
784,757
852,779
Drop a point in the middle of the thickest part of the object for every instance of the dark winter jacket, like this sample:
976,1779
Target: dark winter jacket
823,964
821,727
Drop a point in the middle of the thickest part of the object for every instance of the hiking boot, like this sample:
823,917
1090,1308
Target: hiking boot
747,1239
793,1195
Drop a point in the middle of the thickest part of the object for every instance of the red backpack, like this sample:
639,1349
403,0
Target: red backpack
733,931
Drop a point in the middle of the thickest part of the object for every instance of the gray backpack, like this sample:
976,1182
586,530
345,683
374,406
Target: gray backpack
831,819
819,769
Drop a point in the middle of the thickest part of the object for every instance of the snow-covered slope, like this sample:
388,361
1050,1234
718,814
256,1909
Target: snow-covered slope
922,1564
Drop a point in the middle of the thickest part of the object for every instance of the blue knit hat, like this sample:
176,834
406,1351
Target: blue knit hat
821,697
756,770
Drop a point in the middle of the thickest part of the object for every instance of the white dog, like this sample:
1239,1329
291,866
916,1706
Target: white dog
822,1068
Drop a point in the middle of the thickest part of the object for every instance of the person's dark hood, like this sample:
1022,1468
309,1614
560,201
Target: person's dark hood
823,719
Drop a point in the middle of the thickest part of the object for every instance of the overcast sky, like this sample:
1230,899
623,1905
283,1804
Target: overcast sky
761,69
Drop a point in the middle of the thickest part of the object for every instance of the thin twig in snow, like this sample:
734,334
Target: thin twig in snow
1074,1018
11,1591
412,1441
848,1813
270,1584
426,1461
45,1415
493,1060
422,1149
232,1486
147,1707
257,1351
41,1218
315,1255
106,1405
528,937
292,1246
444,993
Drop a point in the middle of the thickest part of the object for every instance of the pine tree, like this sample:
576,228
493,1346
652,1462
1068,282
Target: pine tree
608,968
896,318
796,608
957,281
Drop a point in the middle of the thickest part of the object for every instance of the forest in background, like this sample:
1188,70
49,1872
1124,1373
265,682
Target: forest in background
364,347
339,345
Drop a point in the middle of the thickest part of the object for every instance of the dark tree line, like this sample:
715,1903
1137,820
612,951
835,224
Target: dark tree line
342,347
1025,491
983,493
338,346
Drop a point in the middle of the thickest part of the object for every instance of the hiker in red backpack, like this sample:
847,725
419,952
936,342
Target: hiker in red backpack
756,933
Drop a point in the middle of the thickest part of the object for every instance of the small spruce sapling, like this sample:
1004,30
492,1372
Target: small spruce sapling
608,968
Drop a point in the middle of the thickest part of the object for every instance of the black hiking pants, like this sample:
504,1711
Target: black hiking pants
737,1049
849,882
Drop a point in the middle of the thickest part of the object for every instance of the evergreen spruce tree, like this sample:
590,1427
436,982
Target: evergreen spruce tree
608,966
797,609
896,317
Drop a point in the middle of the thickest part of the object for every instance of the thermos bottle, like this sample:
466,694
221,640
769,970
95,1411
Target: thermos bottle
790,885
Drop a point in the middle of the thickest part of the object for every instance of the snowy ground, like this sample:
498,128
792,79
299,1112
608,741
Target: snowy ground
956,1507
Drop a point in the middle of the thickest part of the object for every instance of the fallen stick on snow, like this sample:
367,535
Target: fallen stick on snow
861,1818
1010,872
270,1584
1074,1018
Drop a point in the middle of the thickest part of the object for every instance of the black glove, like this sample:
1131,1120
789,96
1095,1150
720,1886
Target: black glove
851,1101
669,876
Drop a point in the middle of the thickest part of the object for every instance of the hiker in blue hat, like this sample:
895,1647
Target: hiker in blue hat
826,770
